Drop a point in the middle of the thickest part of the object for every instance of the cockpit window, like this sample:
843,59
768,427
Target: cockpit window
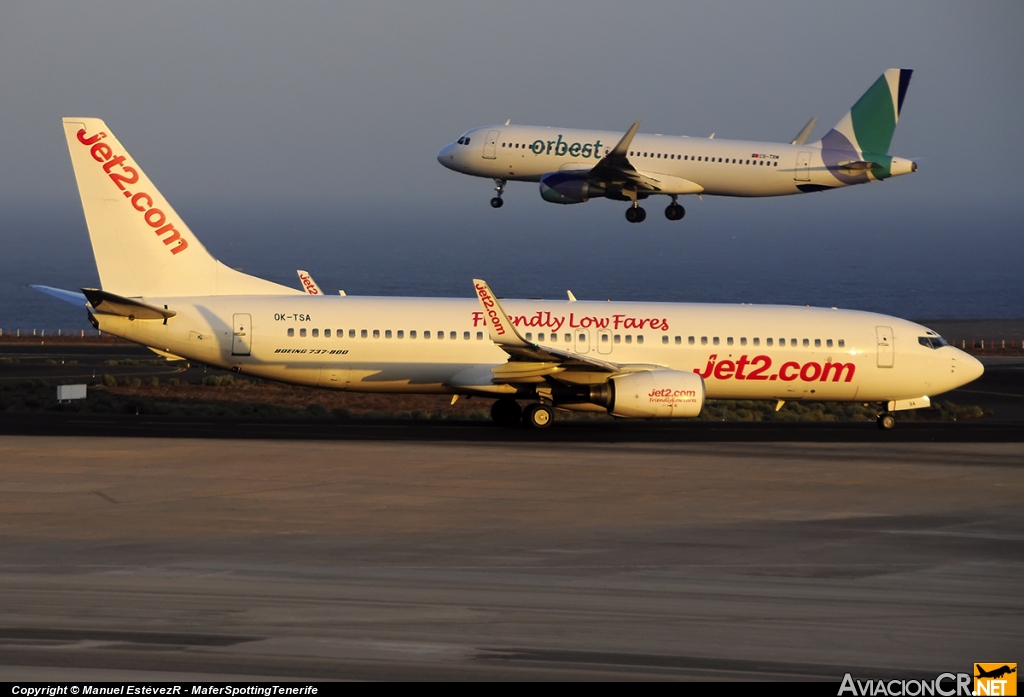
461,141
932,342
467,141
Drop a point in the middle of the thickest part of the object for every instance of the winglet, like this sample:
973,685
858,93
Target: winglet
499,326
308,284
801,137
622,148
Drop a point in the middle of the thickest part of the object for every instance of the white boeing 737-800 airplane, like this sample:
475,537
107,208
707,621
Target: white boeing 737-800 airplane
162,289
574,166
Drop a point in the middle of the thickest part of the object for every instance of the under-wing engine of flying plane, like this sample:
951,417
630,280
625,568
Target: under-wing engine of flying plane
161,288
574,166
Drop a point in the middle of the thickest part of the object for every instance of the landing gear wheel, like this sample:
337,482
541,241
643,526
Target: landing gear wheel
496,202
886,421
675,212
636,214
538,416
506,412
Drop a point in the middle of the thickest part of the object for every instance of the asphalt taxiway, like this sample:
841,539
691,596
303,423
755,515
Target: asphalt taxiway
304,559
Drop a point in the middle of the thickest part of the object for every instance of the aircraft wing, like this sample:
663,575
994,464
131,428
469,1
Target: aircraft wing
527,359
616,170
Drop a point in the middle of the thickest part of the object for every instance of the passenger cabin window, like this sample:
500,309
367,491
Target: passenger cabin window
629,338
842,343
768,341
807,342
743,341
351,333
664,339
679,339
617,339
691,340
316,333
401,334
729,341
465,335
480,336
376,333
715,341
387,333
412,334
828,343
291,331
453,336
302,332
639,338
817,343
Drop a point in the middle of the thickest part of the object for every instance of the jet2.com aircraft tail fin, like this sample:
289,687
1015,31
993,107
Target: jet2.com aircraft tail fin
868,127
141,246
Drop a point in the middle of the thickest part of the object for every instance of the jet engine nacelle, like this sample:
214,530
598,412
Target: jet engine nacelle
657,394
569,187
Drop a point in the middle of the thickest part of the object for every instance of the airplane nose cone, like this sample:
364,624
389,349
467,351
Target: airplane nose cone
972,368
446,156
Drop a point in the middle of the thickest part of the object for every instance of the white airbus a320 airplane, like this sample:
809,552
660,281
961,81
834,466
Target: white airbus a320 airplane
162,289
574,166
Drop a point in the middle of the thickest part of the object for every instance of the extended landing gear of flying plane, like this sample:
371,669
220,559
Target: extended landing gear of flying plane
886,421
674,210
538,416
636,214
499,186
506,412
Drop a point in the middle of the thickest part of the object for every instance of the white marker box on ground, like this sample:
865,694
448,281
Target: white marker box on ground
69,392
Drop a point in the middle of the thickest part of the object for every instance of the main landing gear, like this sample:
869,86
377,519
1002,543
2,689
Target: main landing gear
886,421
674,210
506,412
636,214
499,186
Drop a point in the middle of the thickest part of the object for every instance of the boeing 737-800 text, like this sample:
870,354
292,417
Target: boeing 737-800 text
162,289
574,166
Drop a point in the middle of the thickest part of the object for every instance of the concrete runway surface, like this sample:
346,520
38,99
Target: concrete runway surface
221,559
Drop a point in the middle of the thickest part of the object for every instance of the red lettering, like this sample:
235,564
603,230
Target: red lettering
784,371
765,362
111,163
155,217
837,370
724,370
138,197
89,141
810,372
101,152
711,366
740,365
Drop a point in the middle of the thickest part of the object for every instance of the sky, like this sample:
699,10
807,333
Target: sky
304,135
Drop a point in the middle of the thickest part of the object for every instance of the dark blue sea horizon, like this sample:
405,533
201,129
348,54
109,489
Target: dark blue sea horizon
964,263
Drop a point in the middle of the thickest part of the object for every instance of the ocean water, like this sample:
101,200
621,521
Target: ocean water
955,260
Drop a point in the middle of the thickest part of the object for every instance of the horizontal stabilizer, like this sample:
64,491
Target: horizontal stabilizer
68,296
858,165
109,304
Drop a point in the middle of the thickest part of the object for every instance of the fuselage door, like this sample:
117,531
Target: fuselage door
886,346
491,145
604,341
241,342
803,167
582,337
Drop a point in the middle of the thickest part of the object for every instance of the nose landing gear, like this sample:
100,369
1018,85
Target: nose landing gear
499,187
